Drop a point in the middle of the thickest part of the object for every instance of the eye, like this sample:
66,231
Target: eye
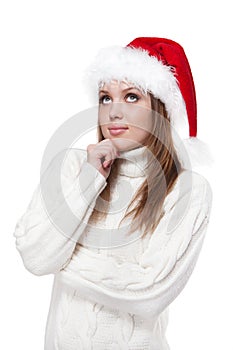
132,98
105,99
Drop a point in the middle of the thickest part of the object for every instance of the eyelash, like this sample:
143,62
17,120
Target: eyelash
130,94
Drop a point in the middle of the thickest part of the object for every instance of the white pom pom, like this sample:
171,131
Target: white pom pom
198,154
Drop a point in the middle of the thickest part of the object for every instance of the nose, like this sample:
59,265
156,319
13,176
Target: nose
116,110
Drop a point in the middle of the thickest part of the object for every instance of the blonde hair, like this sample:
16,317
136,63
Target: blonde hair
164,166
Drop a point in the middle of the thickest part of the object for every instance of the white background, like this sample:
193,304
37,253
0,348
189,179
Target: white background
45,46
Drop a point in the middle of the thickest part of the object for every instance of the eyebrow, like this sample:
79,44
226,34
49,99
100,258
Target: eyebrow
130,88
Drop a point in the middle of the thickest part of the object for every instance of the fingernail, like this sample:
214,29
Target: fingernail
106,163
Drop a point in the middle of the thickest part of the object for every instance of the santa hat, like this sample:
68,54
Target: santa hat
160,66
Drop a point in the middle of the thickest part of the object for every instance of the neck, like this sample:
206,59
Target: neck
133,162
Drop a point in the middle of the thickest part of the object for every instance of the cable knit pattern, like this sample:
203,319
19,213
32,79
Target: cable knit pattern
111,291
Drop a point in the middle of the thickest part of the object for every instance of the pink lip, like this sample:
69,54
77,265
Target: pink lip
117,131
118,126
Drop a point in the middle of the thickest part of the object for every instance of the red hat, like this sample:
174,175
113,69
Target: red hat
172,54
160,66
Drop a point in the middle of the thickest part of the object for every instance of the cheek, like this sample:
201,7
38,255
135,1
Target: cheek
141,119
102,119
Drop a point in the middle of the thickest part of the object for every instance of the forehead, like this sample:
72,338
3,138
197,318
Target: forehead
113,84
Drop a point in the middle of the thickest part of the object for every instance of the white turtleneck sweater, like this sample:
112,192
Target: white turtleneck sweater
111,290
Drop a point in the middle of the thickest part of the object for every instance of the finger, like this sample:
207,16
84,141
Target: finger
90,147
109,158
113,154
107,164
109,154
117,153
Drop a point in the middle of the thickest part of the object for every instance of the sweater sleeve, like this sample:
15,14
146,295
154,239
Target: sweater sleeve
148,287
47,233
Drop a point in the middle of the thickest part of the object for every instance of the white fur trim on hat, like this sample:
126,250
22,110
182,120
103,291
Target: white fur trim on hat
146,73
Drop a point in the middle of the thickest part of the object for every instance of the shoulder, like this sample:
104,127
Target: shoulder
192,180
71,160
74,156
66,163
190,187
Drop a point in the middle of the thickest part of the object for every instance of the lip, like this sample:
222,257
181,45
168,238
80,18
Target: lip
118,131
117,127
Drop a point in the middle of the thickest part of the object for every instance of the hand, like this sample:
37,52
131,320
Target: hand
106,150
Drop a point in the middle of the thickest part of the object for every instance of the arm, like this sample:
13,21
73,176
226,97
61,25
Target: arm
148,287
47,233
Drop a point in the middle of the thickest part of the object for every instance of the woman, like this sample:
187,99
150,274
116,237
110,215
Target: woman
117,270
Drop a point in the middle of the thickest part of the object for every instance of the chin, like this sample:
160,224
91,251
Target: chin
124,144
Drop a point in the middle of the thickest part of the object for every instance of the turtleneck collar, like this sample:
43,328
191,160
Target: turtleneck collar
133,162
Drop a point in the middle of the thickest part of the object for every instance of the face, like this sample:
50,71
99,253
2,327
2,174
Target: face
123,105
